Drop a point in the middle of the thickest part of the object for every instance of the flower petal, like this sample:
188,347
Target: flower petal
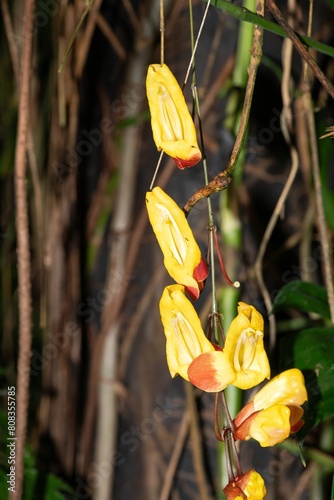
211,372
244,348
184,334
201,271
172,126
252,484
269,427
182,255
296,422
243,414
287,388
249,486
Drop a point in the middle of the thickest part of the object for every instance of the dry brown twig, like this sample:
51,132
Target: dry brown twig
272,7
180,442
324,238
196,442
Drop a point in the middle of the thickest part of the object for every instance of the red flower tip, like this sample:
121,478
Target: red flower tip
200,274
201,271
193,292
188,162
297,426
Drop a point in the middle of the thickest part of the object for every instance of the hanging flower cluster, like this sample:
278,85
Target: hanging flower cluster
275,411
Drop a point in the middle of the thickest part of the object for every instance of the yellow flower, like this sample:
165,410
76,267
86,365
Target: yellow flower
244,348
172,126
274,412
184,334
248,486
243,356
182,256
270,426
287,388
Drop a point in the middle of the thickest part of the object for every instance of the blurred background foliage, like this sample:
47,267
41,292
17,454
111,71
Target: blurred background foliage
105,419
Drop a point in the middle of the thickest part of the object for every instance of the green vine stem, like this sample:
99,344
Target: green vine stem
74,35
211,226
230,226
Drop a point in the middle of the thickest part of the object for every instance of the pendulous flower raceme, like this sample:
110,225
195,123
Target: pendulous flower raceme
274,412
182,256
243,362
172,126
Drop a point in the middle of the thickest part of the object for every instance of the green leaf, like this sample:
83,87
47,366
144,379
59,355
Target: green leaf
303,296
54,487
312,352
245,15
30,474
3,485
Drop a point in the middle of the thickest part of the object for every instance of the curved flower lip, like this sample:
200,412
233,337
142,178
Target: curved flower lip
184,334
271,425
243,361
172,126
248,486
274,412
244,347
182,256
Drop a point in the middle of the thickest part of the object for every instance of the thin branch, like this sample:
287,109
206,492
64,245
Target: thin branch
10,38
178,448
300,47
222,180
196,45
110,35
162,33
246,15
324,239
74,35
286,127
30,143
23,250
196,442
